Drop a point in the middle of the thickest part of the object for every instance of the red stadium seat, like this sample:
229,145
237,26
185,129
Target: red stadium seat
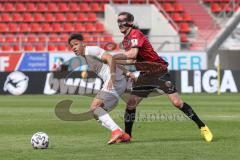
79,27
84,7
81,17
95,7
168,7
32,38
41,7
16,47
42,37
5,17
52,7
59,17
13,27
102,7
215,8
64,37
21,37
92,17
6,47
73,7
63,7
8,7
24,27
88,38
177,17
99,27
70,17
10,38
46,27
184,27
49,17
28,47
27,17
30,7
56,27
20,7
40,47
68,27
38,17
178,7
187,17
16,17
226,7
35,27
53,38
3,28
51,47
89,27
61,47
107,38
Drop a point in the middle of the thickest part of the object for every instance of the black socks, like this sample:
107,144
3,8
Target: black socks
129,118
191,114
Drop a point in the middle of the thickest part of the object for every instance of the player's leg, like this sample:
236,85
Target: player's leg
129,117
102,115
187,110
110,100
130,112
104,118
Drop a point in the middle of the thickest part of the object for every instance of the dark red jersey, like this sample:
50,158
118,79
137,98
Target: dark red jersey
146,53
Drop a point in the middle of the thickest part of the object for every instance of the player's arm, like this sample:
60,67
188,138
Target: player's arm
127,57
108,59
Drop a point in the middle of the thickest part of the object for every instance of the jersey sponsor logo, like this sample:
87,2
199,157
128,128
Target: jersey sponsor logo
16,83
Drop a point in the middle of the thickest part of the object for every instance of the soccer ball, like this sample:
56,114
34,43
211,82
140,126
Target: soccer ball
40,140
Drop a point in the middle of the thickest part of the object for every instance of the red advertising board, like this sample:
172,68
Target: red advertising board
9,61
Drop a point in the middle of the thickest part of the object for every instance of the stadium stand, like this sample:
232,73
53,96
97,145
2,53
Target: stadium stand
44,19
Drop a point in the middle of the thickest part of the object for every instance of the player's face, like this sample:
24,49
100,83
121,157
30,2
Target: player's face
122,24
77,47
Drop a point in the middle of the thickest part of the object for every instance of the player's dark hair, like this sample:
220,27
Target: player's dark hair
130,18
75,36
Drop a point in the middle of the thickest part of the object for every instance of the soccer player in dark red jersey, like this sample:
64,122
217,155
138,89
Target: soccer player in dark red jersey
137,47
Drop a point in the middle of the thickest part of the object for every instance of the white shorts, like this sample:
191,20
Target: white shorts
110,97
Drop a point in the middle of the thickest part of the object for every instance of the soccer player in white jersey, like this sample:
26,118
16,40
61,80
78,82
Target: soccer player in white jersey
107,98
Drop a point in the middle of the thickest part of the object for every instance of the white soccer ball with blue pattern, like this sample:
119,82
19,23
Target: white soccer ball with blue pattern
40,140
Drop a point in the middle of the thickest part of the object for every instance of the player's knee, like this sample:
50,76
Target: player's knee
130,107
96,105
177,102
131,104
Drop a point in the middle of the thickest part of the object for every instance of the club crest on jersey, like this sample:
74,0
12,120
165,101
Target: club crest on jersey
134,42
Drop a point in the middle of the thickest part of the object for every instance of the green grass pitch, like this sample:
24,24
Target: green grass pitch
161,131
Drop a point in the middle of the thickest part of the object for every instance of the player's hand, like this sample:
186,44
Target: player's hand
110,85
132,76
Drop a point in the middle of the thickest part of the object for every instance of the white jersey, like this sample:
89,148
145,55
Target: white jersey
93,55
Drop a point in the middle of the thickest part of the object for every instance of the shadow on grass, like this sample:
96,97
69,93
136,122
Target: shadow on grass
180,139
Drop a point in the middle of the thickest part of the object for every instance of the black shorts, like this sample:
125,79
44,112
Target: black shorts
147,84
